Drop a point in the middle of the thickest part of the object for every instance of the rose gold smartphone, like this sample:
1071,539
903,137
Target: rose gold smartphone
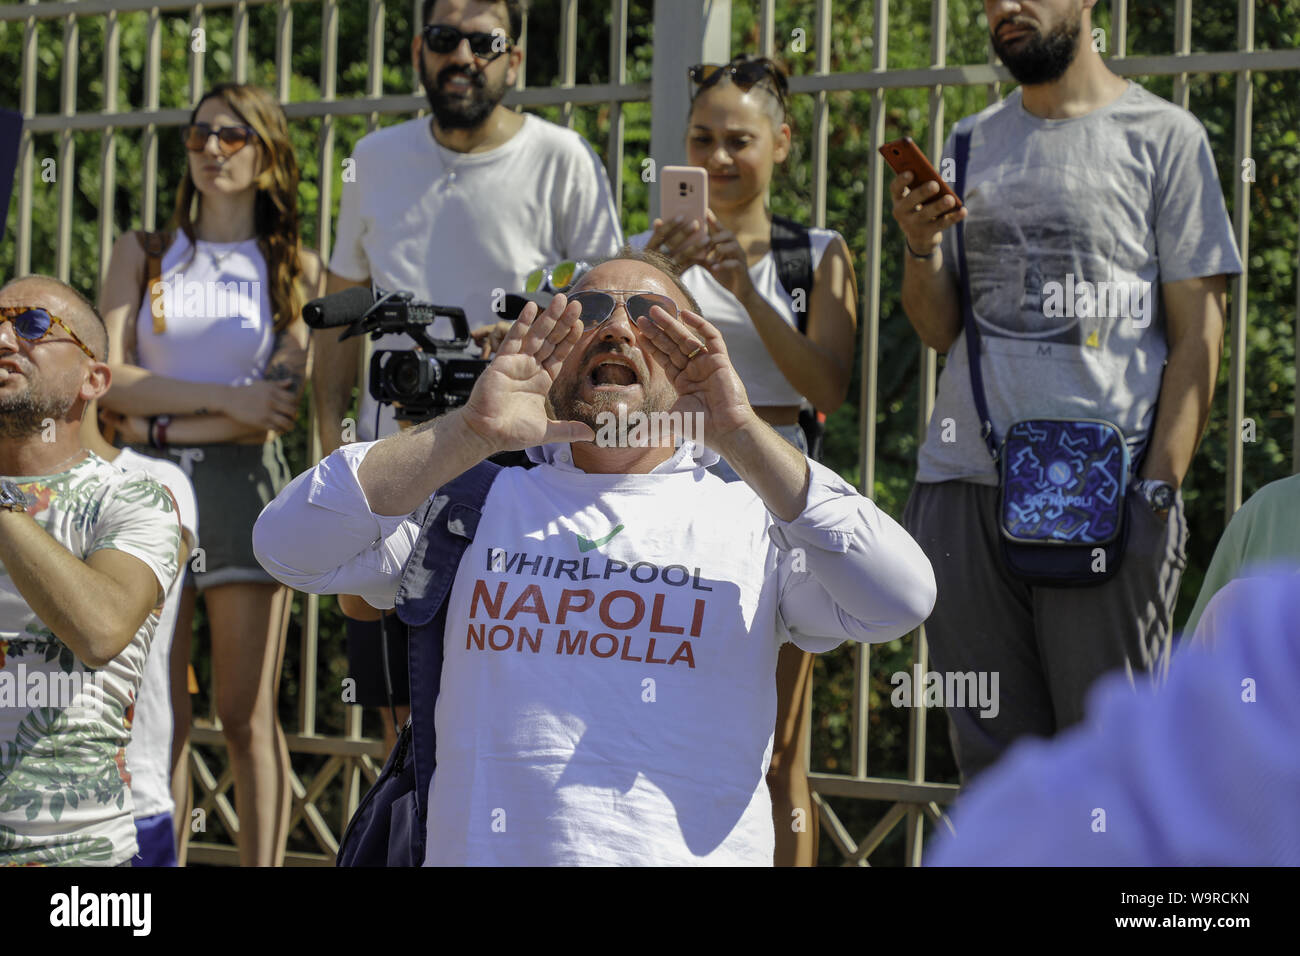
684,191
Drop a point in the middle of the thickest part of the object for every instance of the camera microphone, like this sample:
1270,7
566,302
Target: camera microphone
340,309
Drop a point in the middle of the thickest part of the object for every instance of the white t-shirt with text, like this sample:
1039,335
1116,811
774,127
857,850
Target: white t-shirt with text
65,794
608,692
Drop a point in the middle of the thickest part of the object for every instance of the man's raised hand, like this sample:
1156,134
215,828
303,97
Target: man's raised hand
694,357
508,404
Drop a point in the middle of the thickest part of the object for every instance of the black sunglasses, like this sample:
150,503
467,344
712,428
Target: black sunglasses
486,46
230,139
599,304
33,324
743,72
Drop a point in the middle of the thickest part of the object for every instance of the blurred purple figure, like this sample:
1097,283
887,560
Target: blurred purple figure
1204,772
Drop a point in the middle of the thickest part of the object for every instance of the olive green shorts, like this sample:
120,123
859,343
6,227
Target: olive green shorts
232,483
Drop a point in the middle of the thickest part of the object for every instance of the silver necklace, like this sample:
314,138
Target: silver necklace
219,258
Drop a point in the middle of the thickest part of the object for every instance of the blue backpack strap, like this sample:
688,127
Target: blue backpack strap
449,520
961,153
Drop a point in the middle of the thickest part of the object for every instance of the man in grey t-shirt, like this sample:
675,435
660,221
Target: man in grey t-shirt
1098,247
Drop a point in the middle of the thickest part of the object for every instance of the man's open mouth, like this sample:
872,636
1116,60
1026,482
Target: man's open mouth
613,371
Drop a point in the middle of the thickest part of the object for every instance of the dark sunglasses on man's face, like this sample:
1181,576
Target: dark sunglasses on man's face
230,139
442,40
33,324
743,73
599,304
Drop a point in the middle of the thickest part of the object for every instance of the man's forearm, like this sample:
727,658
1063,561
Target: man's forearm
82,606
334,372
775,469
402,471
931,301
1186,392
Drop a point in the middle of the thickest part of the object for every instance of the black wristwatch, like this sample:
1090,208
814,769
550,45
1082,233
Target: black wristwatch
12,498
1160,494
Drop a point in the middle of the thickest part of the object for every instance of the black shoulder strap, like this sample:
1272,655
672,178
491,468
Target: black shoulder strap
792,250
448,522
961,152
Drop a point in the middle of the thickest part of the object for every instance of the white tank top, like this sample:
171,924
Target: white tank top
217,304
763,381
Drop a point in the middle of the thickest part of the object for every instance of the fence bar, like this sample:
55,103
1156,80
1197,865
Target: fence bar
283,51
914,839
1240,284
26,152
67,149
821,113
241,42
1295,396
88,8
568,56
870,313
149,142
1182,47
767,28
198,48
375,60
1119,28
695,37
617,76
108,145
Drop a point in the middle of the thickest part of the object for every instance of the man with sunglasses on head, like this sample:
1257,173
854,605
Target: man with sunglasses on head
457,208
87,553
608,691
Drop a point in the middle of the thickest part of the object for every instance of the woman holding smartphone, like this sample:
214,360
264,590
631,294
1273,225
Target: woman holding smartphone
208,364
738,131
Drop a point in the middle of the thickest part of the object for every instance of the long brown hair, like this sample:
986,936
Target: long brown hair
275,211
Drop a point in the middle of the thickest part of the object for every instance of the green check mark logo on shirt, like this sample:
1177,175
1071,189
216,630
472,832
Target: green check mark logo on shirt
586,544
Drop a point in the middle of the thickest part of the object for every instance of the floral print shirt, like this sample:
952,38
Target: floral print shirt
64,790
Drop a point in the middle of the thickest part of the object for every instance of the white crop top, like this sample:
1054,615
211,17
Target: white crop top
763,381
217,305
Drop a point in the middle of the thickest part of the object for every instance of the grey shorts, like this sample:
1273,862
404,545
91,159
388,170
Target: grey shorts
232,483
1046,645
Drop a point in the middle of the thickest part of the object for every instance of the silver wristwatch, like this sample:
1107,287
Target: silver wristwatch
1160,494
12,498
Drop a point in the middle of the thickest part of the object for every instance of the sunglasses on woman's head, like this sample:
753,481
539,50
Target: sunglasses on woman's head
33,324
743,73
444,39
557,278
230,139
599,304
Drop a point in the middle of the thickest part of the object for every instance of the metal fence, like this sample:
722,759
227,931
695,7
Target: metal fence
699,31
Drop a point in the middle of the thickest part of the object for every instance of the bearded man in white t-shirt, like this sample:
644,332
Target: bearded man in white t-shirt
456,208
608,692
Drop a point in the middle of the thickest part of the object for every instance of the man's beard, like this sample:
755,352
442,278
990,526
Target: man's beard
26,413
1041,59
568,405
461,112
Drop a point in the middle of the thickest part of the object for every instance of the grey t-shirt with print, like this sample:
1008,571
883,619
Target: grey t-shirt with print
1072,226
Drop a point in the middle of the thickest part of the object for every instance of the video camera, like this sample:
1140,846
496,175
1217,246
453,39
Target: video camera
421,383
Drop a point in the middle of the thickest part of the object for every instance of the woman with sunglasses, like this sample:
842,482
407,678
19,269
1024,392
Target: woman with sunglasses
738,131
209,361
